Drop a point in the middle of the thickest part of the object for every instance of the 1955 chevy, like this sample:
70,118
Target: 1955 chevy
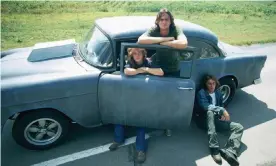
48,86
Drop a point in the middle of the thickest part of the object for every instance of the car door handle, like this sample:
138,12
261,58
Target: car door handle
181,88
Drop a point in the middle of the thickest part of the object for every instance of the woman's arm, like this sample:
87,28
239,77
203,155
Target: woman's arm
131,71
153,71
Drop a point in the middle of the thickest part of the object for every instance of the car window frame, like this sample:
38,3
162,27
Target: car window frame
154,46
114,61
211,44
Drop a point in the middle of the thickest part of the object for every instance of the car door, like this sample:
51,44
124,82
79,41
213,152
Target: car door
145,100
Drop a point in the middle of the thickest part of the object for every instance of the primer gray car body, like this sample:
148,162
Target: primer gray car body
91,95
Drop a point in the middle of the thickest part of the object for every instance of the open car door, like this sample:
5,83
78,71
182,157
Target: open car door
146,100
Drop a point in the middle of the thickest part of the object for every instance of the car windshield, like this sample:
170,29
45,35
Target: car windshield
96,49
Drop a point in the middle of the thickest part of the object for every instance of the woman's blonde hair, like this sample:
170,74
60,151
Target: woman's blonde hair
130,51
130,55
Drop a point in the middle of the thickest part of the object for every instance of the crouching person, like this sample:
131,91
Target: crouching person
210,102
137,64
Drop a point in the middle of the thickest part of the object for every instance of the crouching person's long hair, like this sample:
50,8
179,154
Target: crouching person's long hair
208,77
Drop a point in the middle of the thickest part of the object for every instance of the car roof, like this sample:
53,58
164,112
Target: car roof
125,27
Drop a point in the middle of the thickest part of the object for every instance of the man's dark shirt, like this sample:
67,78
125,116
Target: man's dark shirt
167,60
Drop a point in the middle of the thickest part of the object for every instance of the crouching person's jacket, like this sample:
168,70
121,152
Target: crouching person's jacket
204,102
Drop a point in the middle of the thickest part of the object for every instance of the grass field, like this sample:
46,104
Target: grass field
26,23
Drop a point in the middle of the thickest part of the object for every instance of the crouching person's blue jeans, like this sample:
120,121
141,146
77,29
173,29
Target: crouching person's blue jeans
119,137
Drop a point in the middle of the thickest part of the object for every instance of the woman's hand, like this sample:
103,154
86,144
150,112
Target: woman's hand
144,69
141,70
131,71
153,71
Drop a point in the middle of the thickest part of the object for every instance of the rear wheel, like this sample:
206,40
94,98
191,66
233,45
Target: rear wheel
40,129
228,89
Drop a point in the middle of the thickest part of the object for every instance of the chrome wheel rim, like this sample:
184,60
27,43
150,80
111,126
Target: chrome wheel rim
225,90
42,131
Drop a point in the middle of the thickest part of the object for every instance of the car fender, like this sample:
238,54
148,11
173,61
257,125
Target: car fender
75,97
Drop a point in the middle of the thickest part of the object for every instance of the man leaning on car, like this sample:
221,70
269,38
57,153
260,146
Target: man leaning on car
165,32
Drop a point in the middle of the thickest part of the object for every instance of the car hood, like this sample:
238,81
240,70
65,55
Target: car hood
16,63
28,80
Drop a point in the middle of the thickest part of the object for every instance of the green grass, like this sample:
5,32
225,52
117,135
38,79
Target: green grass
26,23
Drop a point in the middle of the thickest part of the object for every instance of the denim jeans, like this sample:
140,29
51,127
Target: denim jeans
119,137
235,129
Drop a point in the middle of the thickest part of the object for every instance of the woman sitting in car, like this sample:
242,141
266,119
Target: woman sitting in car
137,64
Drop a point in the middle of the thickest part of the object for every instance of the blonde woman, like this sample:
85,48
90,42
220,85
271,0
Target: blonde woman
137,64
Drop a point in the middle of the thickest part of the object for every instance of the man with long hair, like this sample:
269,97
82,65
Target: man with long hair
165,32
216,118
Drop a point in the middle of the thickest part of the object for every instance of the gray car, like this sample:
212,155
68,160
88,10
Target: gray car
48,86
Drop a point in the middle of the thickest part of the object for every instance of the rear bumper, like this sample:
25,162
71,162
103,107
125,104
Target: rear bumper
257,81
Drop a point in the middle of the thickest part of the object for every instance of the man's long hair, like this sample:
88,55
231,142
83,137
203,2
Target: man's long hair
158,18
208,77
130,59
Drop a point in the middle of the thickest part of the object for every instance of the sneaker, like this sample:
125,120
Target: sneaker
168,132
141,157
216,156
229,157
114,146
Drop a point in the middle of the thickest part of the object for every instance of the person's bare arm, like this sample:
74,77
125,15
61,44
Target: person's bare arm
180,43
131,71
153,71
145,39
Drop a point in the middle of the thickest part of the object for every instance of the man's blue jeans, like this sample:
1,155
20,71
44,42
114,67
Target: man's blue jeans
119,137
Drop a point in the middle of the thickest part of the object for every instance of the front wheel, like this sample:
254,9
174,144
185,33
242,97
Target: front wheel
228,89
40,129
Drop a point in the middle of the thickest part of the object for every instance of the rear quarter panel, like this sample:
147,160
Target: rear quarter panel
245,68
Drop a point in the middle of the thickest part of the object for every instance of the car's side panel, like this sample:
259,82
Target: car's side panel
73,94
82,109
146,101
35,88
244,68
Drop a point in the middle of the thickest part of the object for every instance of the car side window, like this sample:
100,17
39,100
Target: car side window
186,55
206,50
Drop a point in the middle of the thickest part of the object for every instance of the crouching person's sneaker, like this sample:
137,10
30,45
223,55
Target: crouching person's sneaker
141,157
114,146
216,155
229,157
